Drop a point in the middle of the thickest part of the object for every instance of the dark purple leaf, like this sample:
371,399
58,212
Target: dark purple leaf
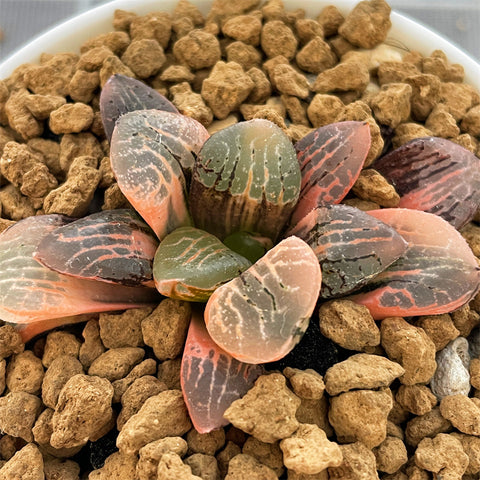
437,274
435,175
122,94
30,292
114,246
351,246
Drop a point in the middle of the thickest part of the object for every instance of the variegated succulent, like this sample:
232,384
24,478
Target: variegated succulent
249,227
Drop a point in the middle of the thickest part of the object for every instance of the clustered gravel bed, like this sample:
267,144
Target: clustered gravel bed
356,399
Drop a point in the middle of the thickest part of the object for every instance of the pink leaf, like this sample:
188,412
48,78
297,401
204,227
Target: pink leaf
261,315
437,274
211,378
30,292
330,158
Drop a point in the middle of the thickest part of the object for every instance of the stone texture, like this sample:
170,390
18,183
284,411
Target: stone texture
411,347
163,415
267,411
361,415
361,371
309,451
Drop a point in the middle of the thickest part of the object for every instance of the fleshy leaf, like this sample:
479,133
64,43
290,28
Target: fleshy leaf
351,246
114,246
147,171
435,175
30,330
249,245
261,315
182,136
330,158
211,379
30,292
249,176
437,274
190,264
122,94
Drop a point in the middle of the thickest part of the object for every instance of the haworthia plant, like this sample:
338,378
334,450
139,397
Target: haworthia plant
191,263
435,175
146,161
114,246
351,246
122,94
31,292
438,273
211,378
261,315
246,177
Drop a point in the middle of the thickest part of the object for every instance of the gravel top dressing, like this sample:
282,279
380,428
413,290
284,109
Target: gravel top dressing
240,245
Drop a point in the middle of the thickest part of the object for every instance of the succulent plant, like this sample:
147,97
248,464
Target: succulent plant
252,225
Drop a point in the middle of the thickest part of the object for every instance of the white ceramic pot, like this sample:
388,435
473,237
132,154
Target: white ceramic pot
68,36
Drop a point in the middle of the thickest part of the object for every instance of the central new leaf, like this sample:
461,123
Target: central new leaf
246,178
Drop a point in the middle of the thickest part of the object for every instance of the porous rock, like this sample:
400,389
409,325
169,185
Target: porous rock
26,464
267,411
278,39
58,373
427,425
268,454
18,412
309,451
306,384
361,371
116,363
163,415
83,409
203,466
442,455
411,347
136,395
361,415
244,466
358,463
57,468
367,24
10,341
165,329
206,443
391,105
57,344
74,196
349,324
226,88
120,386
117,465
124,329
463,412
152,452
24,373
92,346
172,466
440,328
390,455
417,399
